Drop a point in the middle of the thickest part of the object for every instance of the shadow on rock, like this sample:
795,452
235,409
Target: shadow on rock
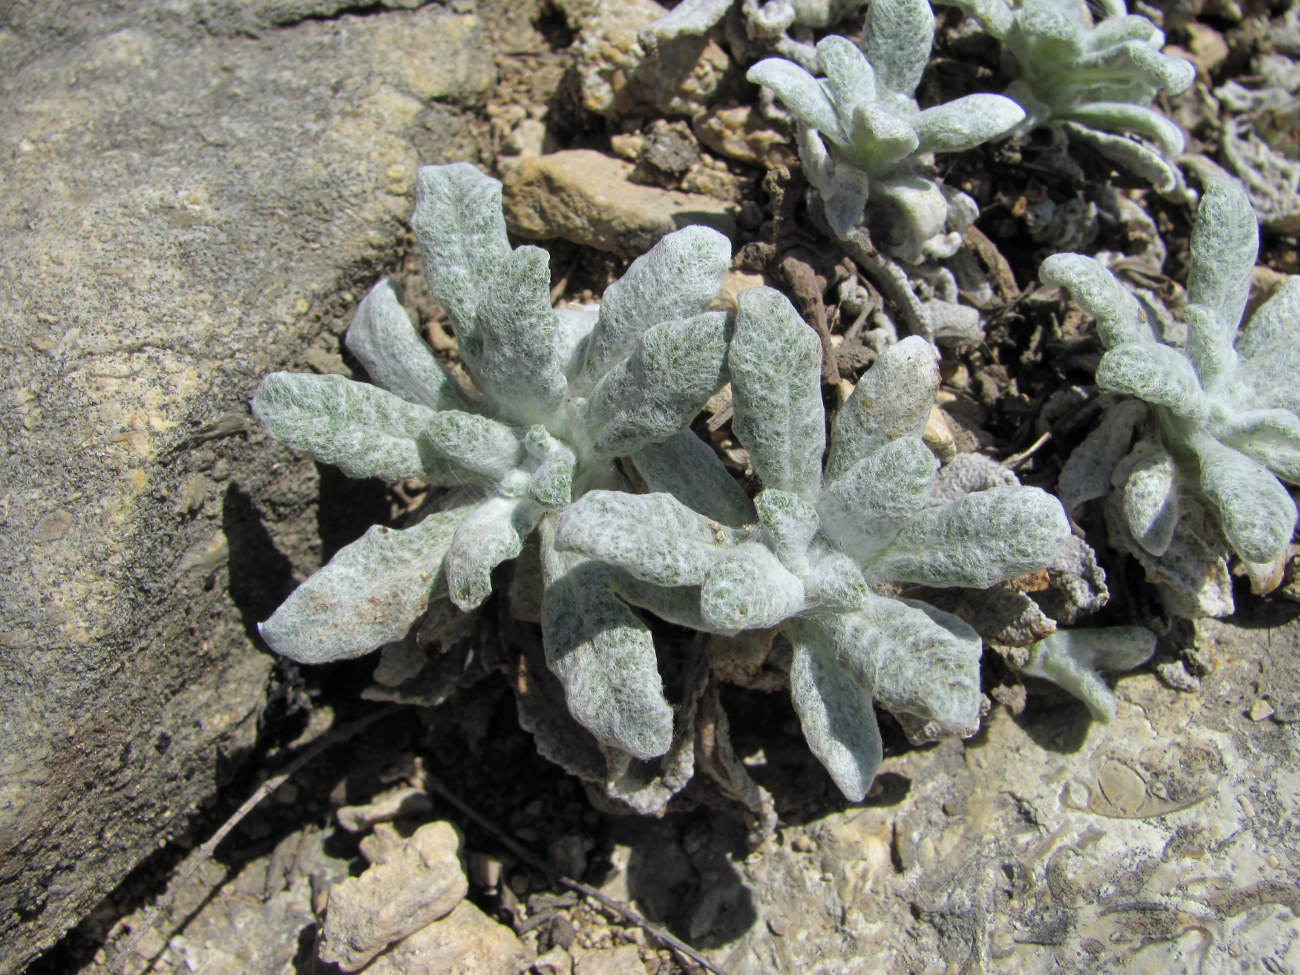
1054,720
261,576
682,874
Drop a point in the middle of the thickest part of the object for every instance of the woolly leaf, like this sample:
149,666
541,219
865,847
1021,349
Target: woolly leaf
1151,497
513,354
604,657
551,482
917,660
978,541
462,233
1271,437
491,534
1086,473
1124,118
475,443
676,279
879,139
849,77
890,402
653,536
688,469
866,507
1130,154
369,594
749,589
361,429
652,394
1209,347
383,339
1257,512
1155,374
966,122
834,711
897,38
802,94
1071,658
790,524
1120,319
1270,350
775,364
1225,240
834,580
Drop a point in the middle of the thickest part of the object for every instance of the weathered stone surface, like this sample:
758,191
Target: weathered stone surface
1164,842
623,960
584,196
191,188
414,885
466,942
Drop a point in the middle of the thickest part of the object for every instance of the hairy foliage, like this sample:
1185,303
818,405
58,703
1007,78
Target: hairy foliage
1222,419
866,145
826,545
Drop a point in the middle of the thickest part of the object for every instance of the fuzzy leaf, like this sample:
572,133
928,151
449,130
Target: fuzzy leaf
1129,154
1120,319
1225,241
382,337
1125,118
834,711
1257,512
890,402
688,469
1117,30
1155,374
1271,437
982,539
1071,658
462,234
514,354
475,443
749,589
1209,346
1086,473
896,39
790,524
604,657
551,482
653,536
864,509
361,429
802,94
676,279
848,75
491,534
879,139
918,660
844,195
1151,497
834,580
1269,350
775,363
369,594
655,392
965,123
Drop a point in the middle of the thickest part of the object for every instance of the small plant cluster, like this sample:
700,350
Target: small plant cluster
567,443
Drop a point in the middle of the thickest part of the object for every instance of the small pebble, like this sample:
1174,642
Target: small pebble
777,926
804,844
1260,710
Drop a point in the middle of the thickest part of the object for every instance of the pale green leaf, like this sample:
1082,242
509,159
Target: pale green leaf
1155,374
1225,240
689,469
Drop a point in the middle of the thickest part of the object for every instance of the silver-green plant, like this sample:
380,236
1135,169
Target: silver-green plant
557,396
823,552
1221,427
864,142
1073,659
1097,80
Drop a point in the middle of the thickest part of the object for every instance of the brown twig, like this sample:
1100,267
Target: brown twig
201,855
1015,460
622,910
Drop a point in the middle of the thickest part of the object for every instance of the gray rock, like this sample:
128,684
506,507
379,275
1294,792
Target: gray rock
186,207
466,941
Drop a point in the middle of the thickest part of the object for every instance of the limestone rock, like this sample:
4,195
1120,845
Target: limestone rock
623,960
466,942
584,196
413,885
187,203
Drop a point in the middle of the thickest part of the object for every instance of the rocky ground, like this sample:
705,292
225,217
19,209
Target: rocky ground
208,208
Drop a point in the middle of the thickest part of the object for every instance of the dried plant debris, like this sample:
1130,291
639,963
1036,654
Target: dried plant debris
1221,417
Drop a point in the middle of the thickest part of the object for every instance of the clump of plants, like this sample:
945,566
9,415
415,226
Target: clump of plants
1213,420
